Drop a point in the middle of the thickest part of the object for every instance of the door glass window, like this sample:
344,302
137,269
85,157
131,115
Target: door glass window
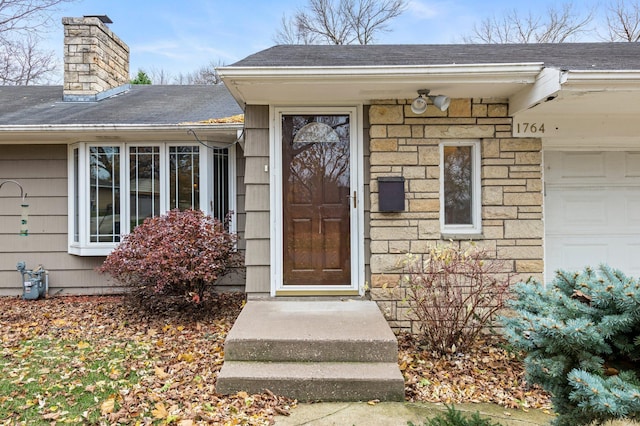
316,211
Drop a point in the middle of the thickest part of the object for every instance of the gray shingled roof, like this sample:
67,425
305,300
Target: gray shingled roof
143,104
573,56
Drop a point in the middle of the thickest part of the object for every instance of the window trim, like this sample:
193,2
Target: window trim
475,228
78,179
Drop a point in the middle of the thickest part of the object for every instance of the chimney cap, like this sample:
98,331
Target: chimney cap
103,18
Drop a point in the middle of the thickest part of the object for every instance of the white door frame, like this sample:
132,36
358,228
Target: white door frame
276,207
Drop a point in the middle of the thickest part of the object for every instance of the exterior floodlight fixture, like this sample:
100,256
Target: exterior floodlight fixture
419,104
24,231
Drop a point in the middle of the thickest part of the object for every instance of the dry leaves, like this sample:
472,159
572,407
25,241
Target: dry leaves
165,372
239,118
487,373
167,365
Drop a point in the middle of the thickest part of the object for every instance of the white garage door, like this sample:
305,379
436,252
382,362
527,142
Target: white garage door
592,211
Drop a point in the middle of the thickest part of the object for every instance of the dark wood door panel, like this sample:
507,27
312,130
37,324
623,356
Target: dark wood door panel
316,211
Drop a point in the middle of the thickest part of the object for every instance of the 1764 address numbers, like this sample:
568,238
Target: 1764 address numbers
532,128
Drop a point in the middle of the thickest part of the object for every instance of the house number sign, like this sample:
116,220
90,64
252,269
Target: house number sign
529,128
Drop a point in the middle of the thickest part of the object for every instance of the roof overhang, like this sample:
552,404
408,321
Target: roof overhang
606,88
221,133
362,84
581,108
577,108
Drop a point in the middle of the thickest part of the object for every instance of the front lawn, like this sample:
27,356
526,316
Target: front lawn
97,360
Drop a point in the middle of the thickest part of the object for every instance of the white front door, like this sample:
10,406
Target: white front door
592,211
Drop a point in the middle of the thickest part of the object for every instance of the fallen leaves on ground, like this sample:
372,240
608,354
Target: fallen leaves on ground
489,372
75,359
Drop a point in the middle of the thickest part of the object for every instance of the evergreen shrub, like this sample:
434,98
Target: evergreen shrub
581,334
455,417
179,253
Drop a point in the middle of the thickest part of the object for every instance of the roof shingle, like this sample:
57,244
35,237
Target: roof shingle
574,56
142,104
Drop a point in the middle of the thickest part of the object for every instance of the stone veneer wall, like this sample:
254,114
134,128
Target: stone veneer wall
95,59
403,144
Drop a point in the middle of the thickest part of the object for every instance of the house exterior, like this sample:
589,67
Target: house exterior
97,155
536,159
332,177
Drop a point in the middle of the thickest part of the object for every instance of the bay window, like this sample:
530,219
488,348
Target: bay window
115,187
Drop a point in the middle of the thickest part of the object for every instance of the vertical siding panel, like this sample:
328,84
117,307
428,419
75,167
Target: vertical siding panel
42,171
257,198
235,280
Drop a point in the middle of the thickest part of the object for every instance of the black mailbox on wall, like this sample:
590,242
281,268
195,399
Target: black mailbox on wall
391,194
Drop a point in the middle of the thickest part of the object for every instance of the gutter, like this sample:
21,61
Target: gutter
238,78
118,127
268,73
585,80
225,133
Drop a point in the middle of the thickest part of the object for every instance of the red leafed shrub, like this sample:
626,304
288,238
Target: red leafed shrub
180,253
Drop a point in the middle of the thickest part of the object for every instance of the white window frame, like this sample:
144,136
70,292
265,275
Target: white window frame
474,228
84,247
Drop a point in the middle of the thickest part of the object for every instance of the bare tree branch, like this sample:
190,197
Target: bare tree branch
22,63
369,16
560,24
326,21
21,24
339,21
34,64
290,33
623,21
207,74
22,15
160,76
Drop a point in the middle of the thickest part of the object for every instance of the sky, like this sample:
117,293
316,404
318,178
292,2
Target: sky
181,36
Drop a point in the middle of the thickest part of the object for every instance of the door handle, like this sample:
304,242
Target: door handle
355,200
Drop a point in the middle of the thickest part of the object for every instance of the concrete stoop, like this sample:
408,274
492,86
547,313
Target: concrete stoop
312,350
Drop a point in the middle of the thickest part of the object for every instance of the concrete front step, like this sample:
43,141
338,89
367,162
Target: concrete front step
326,381
312,350
311,331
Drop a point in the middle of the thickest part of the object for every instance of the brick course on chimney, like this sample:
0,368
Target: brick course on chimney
96,61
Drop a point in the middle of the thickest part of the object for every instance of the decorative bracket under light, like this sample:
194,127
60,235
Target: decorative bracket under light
419,104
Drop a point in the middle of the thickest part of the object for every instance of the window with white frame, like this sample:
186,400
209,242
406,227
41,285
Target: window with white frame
460,192
115,187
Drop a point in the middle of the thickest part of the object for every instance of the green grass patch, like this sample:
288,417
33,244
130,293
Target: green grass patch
46,379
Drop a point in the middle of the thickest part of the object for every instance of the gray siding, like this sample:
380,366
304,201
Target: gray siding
235,281
42,171
257,200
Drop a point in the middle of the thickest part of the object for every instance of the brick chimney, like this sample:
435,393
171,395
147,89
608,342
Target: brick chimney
96,61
